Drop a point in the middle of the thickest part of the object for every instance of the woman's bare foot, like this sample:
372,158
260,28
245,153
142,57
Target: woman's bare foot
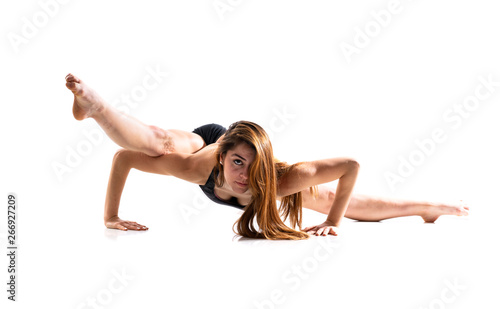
433,212
87,101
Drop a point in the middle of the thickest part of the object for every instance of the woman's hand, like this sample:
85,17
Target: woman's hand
323,229
124,225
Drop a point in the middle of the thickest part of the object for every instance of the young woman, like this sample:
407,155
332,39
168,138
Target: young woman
236,167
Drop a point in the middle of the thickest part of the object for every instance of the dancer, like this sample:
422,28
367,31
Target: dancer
236,167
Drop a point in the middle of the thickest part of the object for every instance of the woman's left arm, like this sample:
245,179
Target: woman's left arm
307,174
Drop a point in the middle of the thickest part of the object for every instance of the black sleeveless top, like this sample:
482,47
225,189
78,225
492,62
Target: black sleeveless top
208,189
210,133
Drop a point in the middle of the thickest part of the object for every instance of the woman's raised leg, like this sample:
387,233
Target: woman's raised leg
368,208
125,130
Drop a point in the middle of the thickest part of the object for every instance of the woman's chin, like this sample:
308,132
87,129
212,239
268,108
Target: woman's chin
240,189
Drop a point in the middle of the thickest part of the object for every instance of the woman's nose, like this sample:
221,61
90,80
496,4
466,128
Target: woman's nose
244,175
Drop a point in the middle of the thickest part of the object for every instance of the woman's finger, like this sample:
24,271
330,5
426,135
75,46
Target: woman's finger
311,231
136,226
326,231
129,224
121,227
140,227
132,225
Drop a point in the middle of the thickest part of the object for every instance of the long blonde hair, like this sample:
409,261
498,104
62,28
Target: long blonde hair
264,174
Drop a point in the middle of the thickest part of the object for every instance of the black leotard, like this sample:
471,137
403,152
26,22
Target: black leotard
210,134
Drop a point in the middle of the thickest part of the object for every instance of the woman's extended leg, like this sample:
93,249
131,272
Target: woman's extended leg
125,130
367,208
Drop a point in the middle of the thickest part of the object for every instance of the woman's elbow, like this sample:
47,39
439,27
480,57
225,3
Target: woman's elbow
121,158
352,165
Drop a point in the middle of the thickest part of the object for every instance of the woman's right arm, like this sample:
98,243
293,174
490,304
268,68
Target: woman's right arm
194,168
122,164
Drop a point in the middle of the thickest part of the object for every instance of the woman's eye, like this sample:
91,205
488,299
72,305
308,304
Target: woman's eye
238,162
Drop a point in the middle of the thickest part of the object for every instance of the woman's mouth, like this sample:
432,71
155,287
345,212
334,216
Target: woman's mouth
241,184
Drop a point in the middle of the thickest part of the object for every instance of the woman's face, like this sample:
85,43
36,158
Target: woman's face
236,165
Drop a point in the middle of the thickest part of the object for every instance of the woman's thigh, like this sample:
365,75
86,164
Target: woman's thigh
320,203
184,141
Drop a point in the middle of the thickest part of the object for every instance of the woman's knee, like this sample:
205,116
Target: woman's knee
330,195
172,140
322,202
161,143
328,198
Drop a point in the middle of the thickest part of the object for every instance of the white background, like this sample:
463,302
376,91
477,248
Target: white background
280,64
